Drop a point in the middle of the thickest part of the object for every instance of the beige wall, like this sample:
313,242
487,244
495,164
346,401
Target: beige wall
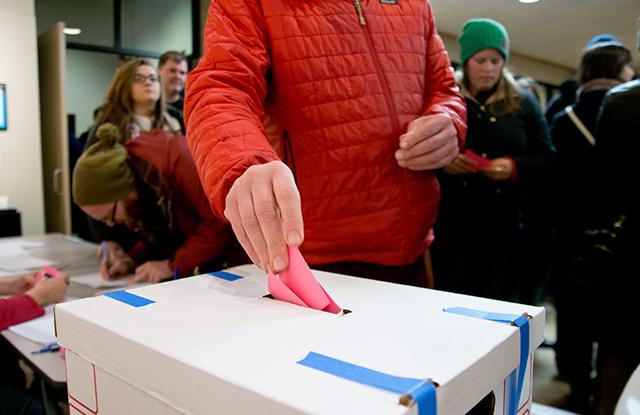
520,64
20,152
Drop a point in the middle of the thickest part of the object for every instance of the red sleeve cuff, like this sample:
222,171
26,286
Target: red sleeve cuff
18,309
514,170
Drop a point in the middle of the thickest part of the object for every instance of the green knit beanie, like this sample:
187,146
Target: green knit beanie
480,34
102,174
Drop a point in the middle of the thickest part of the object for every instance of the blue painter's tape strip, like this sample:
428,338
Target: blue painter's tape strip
425,396
128,298
522,323
422,391
226,275
484,315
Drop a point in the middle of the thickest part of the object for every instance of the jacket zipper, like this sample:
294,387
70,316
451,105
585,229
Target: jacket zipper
363,21
395,123
383,80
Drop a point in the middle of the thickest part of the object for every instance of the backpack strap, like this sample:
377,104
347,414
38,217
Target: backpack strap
580,126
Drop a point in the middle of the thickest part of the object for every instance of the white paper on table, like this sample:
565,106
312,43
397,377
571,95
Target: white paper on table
39,330
95,280
24,263
16,248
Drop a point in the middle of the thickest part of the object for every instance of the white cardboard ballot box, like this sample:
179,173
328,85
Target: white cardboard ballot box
215,345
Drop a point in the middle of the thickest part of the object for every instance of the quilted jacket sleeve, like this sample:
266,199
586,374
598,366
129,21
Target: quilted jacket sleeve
224,98
442,95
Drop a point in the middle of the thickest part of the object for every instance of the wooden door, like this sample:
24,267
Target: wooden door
53,121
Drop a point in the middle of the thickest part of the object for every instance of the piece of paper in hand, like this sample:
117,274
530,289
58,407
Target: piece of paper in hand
298,285
478,161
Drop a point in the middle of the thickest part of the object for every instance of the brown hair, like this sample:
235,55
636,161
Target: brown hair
603,60
507,95
171,55
118,104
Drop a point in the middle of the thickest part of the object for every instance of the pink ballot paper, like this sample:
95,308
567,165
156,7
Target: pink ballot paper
479,161
297,285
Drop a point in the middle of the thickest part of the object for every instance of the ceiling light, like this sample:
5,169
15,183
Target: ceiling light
73,31
528,1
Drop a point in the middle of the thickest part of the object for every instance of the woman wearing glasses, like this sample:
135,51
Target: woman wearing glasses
134,102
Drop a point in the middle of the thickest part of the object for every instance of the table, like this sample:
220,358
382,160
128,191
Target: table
76,257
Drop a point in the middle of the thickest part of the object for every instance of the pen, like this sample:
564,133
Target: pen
51,347
105,254
176,273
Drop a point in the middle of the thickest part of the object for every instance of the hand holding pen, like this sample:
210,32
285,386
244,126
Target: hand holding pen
50,290
114,260
105,254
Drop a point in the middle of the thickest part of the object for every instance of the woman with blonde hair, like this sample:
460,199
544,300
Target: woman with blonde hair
485,223
134,102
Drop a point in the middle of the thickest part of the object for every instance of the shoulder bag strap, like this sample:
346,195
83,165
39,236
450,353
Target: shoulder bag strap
585,132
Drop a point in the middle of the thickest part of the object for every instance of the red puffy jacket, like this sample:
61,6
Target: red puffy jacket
338,82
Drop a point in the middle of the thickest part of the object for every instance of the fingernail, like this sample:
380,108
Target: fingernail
398,155
279,264
404,144
294,238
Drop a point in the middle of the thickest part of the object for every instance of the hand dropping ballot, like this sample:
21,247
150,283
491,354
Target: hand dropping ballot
298,285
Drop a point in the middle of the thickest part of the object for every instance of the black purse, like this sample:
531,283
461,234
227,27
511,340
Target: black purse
597,263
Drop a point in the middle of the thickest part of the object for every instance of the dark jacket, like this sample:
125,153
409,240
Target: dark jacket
476,201
578,182
618,145
482,223
176,110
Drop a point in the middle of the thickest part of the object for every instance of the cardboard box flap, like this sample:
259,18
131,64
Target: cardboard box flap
206,339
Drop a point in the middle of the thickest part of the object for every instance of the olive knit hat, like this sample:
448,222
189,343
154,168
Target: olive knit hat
102,174
480,34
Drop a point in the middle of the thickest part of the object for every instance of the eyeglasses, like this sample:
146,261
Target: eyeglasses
141,79
113,212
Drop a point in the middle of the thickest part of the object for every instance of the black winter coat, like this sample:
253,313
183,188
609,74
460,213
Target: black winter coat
483,224
578,183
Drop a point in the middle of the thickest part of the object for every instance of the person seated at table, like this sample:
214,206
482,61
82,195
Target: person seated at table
151,186
27,300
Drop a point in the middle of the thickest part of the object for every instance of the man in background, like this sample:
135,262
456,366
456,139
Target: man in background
617,145
173,69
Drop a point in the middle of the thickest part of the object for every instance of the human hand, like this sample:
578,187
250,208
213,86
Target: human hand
461,165
16,285
50,290
430,142
152,271
500,169
263,206
116,263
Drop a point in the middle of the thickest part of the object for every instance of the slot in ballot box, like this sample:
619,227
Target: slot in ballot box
214,344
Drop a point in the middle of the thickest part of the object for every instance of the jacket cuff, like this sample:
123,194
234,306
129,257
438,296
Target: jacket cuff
514,170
